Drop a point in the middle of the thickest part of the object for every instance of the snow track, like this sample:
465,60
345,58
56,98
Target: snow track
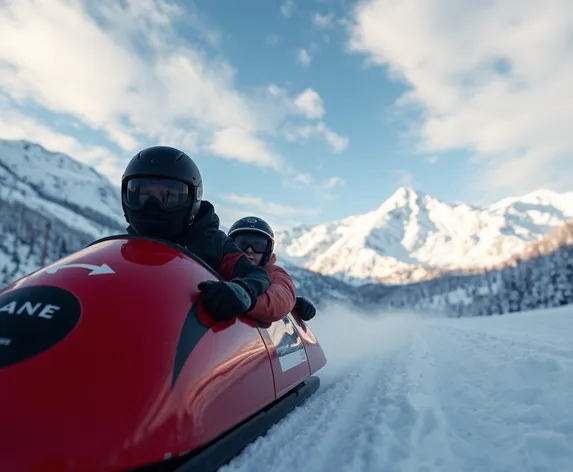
421,395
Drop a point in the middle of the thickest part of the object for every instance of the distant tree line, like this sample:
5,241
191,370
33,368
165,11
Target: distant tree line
30,239
540,277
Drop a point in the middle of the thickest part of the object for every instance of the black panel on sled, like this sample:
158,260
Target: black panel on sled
191,333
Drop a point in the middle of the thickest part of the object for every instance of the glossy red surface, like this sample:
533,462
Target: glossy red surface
102,398
228,378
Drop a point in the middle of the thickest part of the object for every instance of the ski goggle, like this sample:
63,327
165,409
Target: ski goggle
169,193
257,242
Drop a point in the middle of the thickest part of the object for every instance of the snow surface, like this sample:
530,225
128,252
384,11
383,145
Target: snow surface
409,393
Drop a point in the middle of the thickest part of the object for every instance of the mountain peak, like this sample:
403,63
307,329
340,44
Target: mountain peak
402,197
406,191
413,235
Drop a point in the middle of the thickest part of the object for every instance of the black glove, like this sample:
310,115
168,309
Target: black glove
305,308
225,300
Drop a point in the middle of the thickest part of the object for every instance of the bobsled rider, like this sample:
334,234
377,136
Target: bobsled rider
255,236
161,193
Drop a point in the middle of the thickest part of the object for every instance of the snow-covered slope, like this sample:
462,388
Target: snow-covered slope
56,184
49,203
412,236
412,393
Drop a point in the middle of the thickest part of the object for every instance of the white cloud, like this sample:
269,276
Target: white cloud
55,54
129,76
310,104
333,182
303,180
490,77
304,57
287,8
15,125
432,159
258,204
322,189
323,21
327,187
337,142
277,215
237,143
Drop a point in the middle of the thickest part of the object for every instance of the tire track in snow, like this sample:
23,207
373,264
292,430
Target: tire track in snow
430,438
365,444
446,398
315,427
381,417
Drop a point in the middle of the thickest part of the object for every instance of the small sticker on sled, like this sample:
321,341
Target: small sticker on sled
288,343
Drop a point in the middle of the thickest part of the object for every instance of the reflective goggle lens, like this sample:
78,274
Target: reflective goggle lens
168,192
257,242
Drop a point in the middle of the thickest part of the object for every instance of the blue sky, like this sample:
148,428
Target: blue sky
301,111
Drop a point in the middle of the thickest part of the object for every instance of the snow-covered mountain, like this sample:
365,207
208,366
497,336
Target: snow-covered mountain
50,205
49,196
413,236
55,184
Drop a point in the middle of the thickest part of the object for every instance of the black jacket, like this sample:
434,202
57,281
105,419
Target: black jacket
204,239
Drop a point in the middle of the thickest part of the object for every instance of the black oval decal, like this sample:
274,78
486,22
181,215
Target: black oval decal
33,319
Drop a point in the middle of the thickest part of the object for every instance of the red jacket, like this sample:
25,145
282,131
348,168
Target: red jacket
279,299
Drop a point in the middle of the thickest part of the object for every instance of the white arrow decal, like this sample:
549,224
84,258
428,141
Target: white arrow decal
95,270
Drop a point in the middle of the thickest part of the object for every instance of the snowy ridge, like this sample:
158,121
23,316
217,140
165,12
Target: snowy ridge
59,185
418,393
49,201
414,236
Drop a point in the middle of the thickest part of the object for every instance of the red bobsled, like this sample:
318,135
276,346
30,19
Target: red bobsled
108,362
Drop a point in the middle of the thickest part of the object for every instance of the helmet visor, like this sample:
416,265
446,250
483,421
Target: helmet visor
169,193
257,242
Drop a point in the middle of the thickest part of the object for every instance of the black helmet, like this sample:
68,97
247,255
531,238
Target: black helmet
254,226
161,192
